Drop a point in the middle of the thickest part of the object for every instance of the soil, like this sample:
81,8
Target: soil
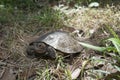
15,65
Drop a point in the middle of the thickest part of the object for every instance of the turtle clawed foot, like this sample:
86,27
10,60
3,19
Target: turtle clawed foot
51,52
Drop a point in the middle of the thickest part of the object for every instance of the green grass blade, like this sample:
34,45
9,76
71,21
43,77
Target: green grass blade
101,49
117,67
116,43
113,32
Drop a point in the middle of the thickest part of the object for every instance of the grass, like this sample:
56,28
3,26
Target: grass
18,28
114,48
50,18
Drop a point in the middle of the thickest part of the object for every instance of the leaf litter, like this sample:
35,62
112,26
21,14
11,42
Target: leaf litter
14,65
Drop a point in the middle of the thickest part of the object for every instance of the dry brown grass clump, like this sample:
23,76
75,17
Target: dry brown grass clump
16,36
90,19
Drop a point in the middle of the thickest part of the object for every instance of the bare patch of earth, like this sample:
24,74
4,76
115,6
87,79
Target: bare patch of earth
15,65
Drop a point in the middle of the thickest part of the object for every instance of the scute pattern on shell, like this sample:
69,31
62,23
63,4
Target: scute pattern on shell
61,41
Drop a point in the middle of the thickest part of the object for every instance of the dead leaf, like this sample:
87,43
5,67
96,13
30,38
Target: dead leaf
76,73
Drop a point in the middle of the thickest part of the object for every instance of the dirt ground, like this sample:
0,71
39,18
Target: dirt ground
93,65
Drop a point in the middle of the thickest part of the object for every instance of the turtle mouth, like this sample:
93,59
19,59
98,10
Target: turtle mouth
40,51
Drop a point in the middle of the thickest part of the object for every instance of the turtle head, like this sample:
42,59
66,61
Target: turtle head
40,48
36,48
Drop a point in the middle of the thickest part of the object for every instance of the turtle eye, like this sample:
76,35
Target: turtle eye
40,45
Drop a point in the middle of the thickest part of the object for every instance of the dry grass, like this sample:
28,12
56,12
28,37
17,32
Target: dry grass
15,37
89,19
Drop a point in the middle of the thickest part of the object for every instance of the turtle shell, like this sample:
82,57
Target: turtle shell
61,41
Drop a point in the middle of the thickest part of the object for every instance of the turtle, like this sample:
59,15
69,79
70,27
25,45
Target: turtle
49,43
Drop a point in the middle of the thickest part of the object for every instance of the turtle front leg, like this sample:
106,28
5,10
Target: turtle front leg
51,52
71,59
